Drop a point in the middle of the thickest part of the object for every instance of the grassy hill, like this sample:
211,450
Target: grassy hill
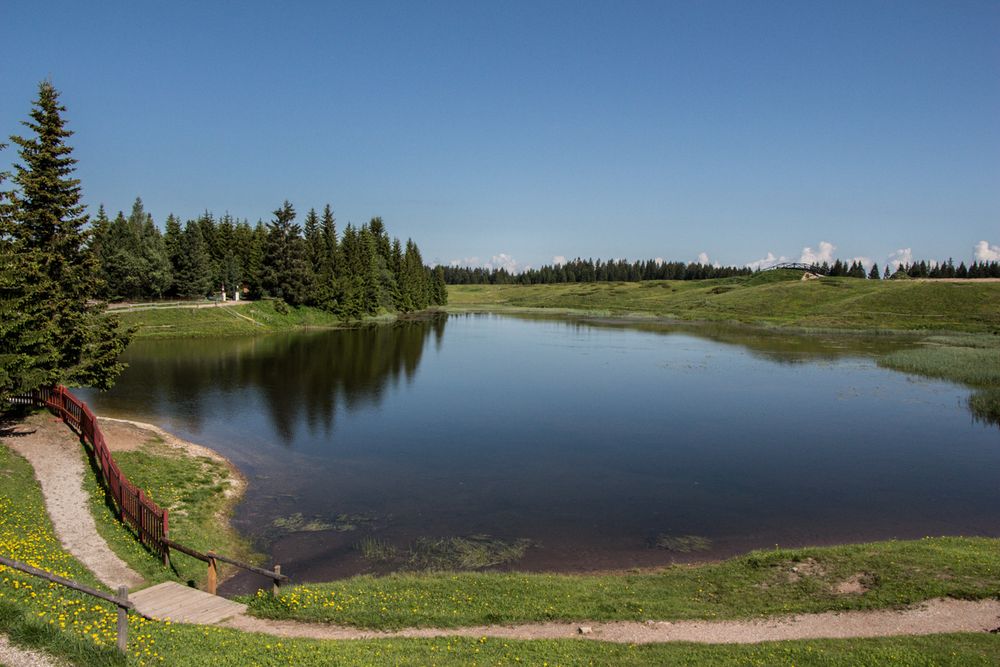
777,298
246,319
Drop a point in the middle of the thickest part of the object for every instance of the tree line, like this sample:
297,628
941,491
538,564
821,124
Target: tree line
589,270
359,272
921,269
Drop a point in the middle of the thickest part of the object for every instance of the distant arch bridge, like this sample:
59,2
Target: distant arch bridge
798,266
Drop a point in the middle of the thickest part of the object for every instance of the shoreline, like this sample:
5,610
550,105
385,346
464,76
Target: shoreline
124,435
237,488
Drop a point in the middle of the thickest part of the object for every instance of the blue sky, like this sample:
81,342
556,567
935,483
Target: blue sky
517,132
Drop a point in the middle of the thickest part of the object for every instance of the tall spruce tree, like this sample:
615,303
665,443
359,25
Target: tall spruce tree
49,228
26,343
173,242
287,273
193,272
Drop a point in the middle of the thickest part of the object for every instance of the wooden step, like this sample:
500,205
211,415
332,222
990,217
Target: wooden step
183,604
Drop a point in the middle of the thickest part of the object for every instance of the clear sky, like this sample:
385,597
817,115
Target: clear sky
517,132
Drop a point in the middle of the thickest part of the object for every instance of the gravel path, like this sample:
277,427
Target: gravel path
932,617
15,656
54,452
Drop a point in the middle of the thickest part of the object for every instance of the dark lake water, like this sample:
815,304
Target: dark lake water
590,439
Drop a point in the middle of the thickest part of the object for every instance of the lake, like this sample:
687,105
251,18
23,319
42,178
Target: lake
606,445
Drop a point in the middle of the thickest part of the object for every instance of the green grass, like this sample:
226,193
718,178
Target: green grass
229,649
971,359
972,362
193,490
772,299
79,629
225,320
760,583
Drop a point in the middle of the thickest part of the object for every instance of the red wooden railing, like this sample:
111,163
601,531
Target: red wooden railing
136,510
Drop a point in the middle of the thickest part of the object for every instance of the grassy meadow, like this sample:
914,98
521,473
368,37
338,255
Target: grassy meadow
774,298
246,319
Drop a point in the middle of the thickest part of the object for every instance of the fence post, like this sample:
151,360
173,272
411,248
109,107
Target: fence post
123,619
277,582
163,540
213,573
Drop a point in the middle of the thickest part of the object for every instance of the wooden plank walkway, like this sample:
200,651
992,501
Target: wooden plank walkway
183,604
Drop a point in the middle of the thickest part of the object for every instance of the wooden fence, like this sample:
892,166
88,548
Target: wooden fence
149,520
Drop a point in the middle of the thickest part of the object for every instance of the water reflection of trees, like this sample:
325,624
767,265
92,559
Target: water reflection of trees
295,378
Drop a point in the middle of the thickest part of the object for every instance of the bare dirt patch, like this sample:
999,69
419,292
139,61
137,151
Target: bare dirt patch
809,567
856,584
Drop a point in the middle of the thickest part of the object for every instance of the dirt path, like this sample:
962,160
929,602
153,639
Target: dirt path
932,617
54,452
184,305
15,656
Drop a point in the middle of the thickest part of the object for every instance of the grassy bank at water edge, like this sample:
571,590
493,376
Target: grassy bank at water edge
777,298
197,491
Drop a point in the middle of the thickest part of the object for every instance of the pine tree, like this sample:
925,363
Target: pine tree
357,282
314,242
874,273
414,286
439,288
173,243
193,274
121,259
26,342
49,228
329,230
287,274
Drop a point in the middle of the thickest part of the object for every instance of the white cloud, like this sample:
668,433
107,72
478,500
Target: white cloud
704,259
499,261
558,260
987,253
900,256
658,261
824,254
766,262
505,261
863,261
